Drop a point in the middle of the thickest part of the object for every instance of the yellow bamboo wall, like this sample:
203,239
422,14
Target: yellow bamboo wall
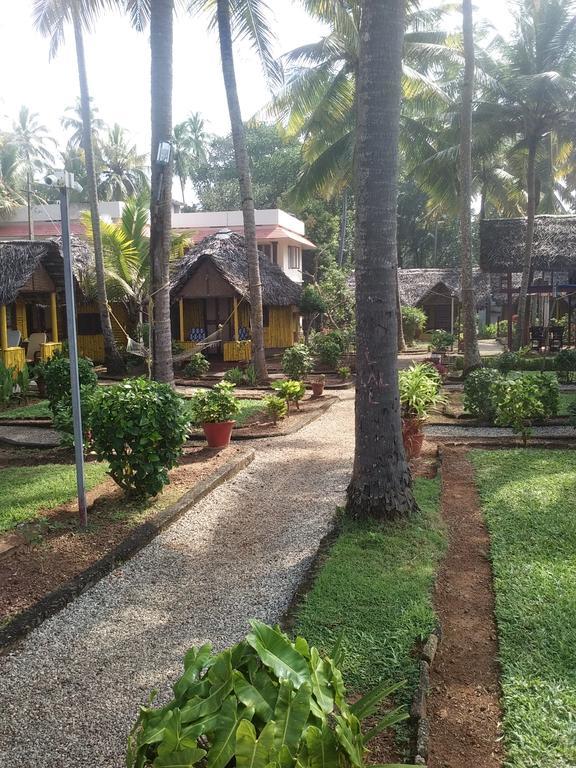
47,350
21,321
193,315
280,330
235,351
13,357
92,347
119,320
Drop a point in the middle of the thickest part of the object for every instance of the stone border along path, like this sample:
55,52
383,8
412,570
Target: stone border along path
70,692
445,430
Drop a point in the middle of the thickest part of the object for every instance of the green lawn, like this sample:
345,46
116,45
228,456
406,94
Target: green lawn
248,408
565,399
376,586
25,491
33,411
528,498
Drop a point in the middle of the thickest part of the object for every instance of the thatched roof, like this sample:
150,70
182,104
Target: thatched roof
19,259
226,251
416,285
502,243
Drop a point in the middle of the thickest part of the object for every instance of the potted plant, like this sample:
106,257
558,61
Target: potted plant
317,384
214,409
442,341
419,392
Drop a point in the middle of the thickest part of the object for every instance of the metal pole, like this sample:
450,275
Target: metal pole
452,315
73,355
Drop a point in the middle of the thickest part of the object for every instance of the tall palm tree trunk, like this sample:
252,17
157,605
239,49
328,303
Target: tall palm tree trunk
343,228
401,339
381,480
161,38
29,203
246,194
113,360
522,330
471,351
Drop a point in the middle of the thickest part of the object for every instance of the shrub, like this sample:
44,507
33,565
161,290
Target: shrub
478,389
63,419
311,302
139,428
430,369
266,701
441,369
297,361
250,375
213,406
6,384
197,366
548,392
276,407
235,376
57,377
419,390
566,364
414,321
290,391
441,340
344,372
517,404
507,361
487,331
328,346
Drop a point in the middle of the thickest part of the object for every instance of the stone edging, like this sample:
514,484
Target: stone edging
18,627
419,707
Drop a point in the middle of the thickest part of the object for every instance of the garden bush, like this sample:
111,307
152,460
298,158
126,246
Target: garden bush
566,364
290,391
441,340
548,392
63,420
311,301
328,346
197,366
419,388
487,331
517,404
344,372
6,384
56,374
266,701
139,428
297,361
441,369
214,405
235,376
414,321
276,407
478,389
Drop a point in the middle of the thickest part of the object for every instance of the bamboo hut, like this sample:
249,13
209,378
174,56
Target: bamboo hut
210,291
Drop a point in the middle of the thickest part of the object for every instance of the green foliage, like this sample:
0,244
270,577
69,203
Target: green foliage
197,366
344,372
478,390
235,376
441,340
139,427
338,297
311,301
297,361
57,377
214,405
328,346
517,404
23,382
527,497
419,390
62,416
566,364
414,321
6,384
276,407
250,375
265,701
572,413
39,410
290,391
487,331
548,392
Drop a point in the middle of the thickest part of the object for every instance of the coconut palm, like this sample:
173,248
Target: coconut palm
31,141
248,19
122,167
381,482
51,17
9,175
190,143
72,121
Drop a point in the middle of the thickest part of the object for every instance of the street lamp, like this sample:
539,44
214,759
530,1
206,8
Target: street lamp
65,181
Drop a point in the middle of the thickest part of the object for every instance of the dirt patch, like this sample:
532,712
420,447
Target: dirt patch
58,550
12,456
464,707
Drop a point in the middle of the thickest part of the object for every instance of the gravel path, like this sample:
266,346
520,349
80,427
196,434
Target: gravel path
70,692
441,430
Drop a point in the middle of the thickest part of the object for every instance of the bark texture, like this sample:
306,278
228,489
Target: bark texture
522,329
246,194
161,36
471,352
381,480
113,360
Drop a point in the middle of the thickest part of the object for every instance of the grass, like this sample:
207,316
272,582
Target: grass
376,586
565,399
528,499
26,491
37,410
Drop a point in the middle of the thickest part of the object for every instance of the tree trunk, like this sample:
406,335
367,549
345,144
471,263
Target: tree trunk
112,358
343,228
29,203
161,36
522,329
246,194
401,340
471,352
381,480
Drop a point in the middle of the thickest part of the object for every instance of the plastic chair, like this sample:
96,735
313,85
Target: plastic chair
14,338
35,341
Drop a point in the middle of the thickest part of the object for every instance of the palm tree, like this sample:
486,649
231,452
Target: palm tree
31,140
471,352
248,19
9,174
72,121
381,481
190,143
51,18
122,168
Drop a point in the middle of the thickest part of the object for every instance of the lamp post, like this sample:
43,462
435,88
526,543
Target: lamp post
65,181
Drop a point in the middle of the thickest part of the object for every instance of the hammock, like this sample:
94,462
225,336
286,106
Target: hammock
140,350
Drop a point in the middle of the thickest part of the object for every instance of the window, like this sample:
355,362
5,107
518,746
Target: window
88,324
294,257
270,250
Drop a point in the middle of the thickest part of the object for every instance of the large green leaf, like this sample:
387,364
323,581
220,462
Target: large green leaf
250,696
320,674
322,749
220,678
224,741
367,705
252,752
291,714
184,758
350,738
278,653
261,679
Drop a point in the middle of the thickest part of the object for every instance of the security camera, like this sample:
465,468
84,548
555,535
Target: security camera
57,179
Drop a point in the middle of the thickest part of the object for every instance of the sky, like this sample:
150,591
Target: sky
118,68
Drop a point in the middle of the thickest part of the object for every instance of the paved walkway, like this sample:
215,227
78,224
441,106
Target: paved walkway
70,692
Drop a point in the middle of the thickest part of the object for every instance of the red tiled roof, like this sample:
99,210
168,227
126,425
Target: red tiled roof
268,232
42,229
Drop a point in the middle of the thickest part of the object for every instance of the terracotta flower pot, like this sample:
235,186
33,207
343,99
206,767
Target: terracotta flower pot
317,388
413,437
218,433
